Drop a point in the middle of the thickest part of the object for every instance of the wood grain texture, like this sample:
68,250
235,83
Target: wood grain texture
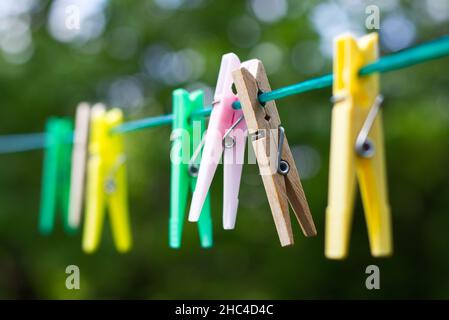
249,80
296,195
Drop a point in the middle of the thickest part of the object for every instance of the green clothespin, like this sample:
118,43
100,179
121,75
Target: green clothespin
184,166
56,174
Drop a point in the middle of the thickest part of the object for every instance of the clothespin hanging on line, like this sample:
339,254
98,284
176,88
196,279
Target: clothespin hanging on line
226,134
79,159
274,158
56,174
106,182
357,149
185,156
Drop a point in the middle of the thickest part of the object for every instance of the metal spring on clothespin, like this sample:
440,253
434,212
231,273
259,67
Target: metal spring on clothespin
110,185
229,141
193,165
283,167
364,145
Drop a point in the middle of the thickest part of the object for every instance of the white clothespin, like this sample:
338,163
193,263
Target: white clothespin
79,158
226,134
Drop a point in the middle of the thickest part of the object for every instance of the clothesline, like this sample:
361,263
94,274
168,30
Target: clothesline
22,142
419,54
425,52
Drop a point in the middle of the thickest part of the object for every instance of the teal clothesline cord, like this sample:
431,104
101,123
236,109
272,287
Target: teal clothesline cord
428,51
25,142
22,142
144,123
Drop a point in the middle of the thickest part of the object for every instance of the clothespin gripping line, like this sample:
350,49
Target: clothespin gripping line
425,52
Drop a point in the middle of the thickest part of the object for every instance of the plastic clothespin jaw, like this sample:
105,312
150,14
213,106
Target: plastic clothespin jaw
185,141
223,118
79,152
106,182
56,174
275,160
355,97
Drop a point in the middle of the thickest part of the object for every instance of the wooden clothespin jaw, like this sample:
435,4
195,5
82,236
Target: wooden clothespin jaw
79,158
226,135
56,174
355,100
276,164
106,182
185,157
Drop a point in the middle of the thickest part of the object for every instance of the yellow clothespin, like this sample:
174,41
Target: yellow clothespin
357,149
106,182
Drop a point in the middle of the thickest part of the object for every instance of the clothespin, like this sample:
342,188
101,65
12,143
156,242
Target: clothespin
106,181
79,153
185,156
56,174
357,149
274,158
226,134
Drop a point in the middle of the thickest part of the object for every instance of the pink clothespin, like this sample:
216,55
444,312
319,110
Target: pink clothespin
226,134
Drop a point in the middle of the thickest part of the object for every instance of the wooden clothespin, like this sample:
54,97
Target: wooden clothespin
79,158
276,164
357,149
185,157
106,182
56,174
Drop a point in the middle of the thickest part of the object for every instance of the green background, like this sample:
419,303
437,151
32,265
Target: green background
247,263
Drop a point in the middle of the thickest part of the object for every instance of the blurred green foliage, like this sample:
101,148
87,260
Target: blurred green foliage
247,263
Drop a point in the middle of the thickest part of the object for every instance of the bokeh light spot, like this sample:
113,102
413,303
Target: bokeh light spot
269,11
